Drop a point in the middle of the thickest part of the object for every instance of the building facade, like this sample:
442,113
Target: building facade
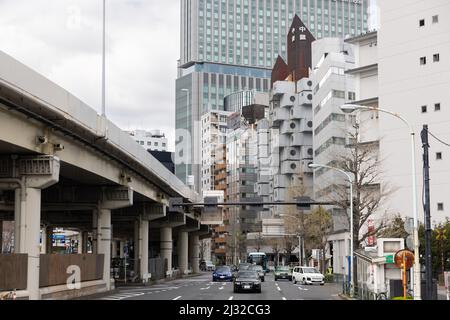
414,73
232,45
154,140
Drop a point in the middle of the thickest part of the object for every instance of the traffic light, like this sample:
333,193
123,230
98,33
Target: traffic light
304,203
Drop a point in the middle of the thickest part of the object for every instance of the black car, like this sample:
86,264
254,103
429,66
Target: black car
247,281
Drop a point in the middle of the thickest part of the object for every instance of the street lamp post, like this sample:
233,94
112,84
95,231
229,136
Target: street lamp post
104,61
350,181
349,108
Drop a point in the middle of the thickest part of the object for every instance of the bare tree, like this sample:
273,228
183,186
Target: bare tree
319,224
276,245
361,160
289,244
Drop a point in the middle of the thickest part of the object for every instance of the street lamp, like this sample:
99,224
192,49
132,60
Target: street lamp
104,61
350,181
349,108
187,126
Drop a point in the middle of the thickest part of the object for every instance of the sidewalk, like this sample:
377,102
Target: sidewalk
442,293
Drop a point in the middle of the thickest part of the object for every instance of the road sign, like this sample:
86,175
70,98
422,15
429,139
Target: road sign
404,256
390,258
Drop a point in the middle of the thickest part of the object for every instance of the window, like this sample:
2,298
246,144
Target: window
149,143
436,57
142,143
438,155
424,109
421,22
440,206
435,19
164,145
423,60
156,144
351,96
437,107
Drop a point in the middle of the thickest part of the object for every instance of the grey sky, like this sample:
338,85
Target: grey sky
61,39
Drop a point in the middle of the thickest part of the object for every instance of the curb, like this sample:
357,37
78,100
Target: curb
344,297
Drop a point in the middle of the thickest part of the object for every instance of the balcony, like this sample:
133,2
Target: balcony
220,229
246,189
220,251
220,240
220,166
247,176
221,176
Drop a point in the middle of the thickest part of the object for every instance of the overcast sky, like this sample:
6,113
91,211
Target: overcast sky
61,39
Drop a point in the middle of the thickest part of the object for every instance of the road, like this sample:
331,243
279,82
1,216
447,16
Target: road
202,288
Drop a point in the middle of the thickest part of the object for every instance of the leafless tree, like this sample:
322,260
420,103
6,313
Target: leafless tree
318,227
361,160
276,245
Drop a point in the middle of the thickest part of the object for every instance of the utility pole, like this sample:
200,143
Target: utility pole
426,170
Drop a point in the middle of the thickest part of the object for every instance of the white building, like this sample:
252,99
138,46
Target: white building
214,131
414,81
345,71
154,140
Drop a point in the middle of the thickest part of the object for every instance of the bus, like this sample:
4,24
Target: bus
259,258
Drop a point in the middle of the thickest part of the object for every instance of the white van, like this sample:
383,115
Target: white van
307,275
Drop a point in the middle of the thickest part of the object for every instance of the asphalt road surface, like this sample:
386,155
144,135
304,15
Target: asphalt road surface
202,288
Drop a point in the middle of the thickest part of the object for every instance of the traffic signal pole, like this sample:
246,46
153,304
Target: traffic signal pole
426,173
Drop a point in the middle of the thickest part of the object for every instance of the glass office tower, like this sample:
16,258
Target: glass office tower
231,45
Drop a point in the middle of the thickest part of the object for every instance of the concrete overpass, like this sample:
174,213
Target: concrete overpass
63,165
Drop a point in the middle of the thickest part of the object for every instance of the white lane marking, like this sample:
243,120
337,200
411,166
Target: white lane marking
283,298
221,288
123,296
230,298
278,288
205,288
177,298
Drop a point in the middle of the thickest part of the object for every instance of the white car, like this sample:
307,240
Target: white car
307,275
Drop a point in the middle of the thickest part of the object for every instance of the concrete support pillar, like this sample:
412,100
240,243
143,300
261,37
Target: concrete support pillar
183,251
113,249
94,231
85,236
136,247
104,242
80,243
143,246
166,244
29,228
122,249
194,251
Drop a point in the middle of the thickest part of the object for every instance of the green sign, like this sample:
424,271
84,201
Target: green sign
390,258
